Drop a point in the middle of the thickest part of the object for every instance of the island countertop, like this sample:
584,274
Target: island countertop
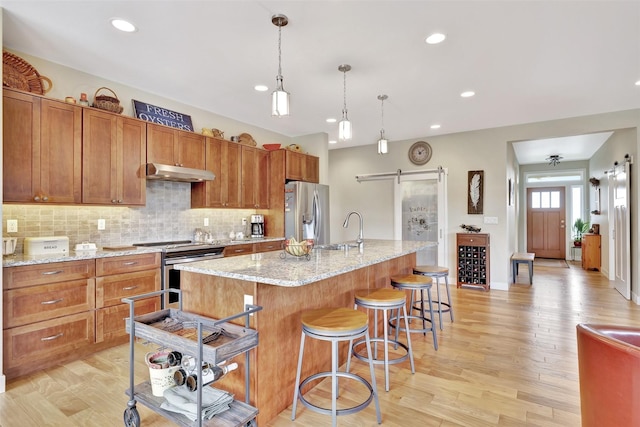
278,268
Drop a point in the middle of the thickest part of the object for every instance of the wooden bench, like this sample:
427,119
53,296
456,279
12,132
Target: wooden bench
522,258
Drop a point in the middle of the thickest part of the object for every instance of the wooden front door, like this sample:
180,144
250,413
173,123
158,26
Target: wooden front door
546,234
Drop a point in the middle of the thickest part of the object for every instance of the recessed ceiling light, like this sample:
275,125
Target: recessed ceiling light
261,88
435,38
467,94
332,141
638,83
331,120
435,126
123,25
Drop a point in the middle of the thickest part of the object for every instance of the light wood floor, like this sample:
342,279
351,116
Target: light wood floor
509,359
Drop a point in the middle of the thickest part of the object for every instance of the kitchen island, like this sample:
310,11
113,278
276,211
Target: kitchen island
285,288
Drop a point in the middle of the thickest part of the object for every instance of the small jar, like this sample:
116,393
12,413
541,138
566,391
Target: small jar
83,100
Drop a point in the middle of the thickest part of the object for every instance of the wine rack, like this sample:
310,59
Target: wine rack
473,260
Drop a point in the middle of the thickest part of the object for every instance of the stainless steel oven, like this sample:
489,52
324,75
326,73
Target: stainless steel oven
181,252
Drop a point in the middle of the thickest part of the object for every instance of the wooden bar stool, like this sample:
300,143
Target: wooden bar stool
415,282
437,272
335,325
383,299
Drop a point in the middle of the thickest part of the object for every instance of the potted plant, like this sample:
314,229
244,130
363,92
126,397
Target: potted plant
579,227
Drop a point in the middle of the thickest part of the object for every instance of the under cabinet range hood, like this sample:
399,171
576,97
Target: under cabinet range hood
162,172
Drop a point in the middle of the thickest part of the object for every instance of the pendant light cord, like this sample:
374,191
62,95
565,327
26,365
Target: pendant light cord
279,51
344,94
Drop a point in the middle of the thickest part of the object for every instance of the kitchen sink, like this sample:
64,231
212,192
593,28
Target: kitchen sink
337,246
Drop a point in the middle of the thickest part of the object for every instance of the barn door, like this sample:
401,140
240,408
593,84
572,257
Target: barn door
622,230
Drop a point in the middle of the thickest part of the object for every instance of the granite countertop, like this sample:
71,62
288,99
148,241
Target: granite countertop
278,268
21,259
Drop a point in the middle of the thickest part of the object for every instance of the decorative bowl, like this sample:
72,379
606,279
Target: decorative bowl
271,147
298,249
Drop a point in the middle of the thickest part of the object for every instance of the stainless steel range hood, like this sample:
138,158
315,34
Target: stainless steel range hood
162,172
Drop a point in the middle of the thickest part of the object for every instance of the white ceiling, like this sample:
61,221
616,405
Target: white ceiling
527,61
569,148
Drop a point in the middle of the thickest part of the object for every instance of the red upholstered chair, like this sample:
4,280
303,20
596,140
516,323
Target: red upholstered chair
609,362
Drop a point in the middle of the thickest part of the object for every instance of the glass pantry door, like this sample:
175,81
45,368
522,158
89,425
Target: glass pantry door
420,204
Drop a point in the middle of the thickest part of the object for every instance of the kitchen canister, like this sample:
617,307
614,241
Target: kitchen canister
160,373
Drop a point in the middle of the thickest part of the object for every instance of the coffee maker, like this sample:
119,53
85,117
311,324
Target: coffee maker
257,226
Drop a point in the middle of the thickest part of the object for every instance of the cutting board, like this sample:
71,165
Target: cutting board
119,248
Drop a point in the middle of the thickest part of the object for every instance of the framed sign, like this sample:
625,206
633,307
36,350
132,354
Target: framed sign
475,192
153,114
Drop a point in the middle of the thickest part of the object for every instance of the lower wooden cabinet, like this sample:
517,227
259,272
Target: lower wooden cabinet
591,251
40,345
473,260
110,321
252,248
59,312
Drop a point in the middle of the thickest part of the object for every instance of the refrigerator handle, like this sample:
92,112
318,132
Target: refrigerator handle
317,213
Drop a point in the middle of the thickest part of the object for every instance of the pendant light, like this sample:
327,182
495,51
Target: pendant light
382,142
344,127
279,97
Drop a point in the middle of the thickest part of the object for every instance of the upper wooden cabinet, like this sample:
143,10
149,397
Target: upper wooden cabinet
42,149
114,152
255,178
223,158
301,167
170,146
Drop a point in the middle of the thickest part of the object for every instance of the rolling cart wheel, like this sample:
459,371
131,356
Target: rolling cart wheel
131,417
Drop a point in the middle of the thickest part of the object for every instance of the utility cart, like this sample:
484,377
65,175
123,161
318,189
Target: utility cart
205,339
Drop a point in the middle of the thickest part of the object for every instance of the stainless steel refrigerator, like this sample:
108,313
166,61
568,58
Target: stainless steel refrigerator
306,211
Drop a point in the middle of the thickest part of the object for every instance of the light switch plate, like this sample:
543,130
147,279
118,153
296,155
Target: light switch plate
490,219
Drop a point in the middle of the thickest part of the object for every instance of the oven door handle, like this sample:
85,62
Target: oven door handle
182,260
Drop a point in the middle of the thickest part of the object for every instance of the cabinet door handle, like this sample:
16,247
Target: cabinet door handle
130,263
52,337
114,201
239,250
53,301
36,198
49,273
130,288
45,199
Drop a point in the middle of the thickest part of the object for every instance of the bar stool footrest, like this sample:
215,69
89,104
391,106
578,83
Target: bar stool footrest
393,361
392,324
343,411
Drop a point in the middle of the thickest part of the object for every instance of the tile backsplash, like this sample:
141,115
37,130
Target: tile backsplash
167,216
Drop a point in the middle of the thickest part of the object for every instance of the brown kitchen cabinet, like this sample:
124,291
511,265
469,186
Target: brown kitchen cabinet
175,147
42,149
123,277
255,178
48,314
59,312
114,153
223,158
591,251
301,167
473,260
252,248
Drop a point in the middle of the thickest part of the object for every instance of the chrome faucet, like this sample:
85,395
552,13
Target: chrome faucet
360,239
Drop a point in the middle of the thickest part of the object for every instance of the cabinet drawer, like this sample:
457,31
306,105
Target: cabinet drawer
37,303
127,263
110,321
44,342
111,289
234,250
30,275
473,239
268,246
